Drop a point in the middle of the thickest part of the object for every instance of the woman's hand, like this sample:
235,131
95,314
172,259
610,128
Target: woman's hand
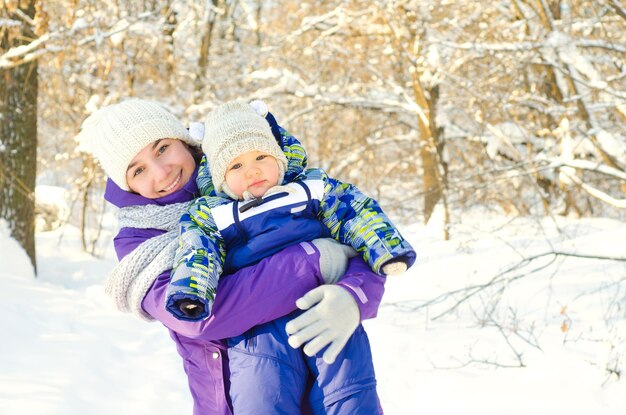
334,258
332,317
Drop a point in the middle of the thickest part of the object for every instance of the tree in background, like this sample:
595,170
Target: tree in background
516,106
18,125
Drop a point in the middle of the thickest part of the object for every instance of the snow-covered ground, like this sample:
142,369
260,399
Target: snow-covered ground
548,342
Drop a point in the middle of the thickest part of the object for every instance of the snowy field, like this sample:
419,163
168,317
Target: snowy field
515,336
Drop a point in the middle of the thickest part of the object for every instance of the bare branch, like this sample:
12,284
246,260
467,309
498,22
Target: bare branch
501,279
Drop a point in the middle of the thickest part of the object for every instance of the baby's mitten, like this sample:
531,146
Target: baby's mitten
190,308
394,268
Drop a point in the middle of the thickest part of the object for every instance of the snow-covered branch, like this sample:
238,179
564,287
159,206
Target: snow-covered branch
526,46
597,193
491,47
602,44
292,83
327,23
44,45
590,166
20,55
619,9
29,20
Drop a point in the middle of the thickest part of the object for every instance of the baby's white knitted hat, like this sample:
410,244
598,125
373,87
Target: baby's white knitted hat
231,130
116,133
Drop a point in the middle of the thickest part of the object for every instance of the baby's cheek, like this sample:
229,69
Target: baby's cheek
235,185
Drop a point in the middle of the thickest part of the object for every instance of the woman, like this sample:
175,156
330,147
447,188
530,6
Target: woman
152,164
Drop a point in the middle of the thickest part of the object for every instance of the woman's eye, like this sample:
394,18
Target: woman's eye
138,171
163,148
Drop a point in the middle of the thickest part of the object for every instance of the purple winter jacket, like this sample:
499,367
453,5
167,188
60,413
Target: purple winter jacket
252,296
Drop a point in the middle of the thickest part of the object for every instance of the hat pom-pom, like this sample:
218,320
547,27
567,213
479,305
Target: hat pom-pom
260,107
196,131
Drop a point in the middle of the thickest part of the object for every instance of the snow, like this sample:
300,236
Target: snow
79,24
10,23
506,138
614,144
53,201
65,350
19,265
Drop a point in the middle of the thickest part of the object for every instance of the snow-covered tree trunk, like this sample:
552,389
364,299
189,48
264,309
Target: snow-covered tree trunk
18,128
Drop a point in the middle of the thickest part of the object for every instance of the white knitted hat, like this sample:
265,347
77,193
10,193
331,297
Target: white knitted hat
116,133
232,129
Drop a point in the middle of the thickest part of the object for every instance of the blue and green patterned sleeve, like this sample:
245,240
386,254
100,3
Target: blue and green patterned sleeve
198,262
357,220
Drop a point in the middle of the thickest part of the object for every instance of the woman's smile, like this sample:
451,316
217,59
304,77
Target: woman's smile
173,186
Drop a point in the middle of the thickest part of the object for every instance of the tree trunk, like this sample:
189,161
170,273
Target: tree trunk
18,134
432,184
205,48
169,27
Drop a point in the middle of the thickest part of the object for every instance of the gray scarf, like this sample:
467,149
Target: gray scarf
132,277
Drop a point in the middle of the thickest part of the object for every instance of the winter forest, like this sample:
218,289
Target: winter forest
492,132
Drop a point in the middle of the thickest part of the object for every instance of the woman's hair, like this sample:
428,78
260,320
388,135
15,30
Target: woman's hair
196,152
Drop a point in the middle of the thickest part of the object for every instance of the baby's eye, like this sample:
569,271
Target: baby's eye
261,157
235,166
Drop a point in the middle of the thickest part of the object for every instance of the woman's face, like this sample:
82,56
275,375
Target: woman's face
160,168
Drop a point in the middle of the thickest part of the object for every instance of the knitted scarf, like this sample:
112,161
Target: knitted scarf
132,277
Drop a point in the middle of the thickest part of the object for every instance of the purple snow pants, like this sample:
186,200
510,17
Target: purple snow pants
267,376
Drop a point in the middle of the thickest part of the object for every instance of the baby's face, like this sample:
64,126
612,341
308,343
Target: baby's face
253,171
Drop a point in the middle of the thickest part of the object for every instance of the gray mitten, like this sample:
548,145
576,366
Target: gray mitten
332,316
333,258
